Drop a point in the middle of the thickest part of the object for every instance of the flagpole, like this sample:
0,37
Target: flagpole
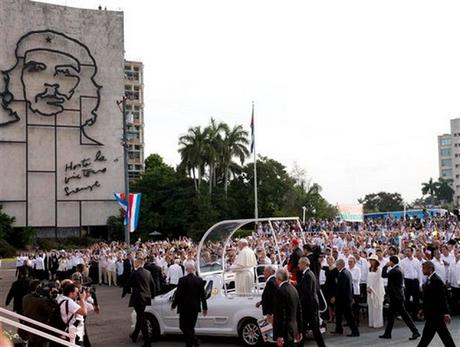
256,207
125,166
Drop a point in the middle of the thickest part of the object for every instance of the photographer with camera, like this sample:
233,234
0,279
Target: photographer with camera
73,308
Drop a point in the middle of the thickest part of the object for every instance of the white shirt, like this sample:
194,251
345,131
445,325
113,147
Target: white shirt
454,275
111,265
68,309
356,278
175,272
39,263
364,267
120,269
440,269
449,260
19,261
412,269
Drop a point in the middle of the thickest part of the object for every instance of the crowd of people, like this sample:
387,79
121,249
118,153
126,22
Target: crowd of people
381,267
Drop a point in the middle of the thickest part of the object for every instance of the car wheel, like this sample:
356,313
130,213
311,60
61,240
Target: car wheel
153,327
250,333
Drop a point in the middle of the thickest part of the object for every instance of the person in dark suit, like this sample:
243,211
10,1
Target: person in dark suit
287,316
343,300
143,290
396,296
128,267
18,290
435,308
268,295
293,262
308,294
157,275
190,298
313,252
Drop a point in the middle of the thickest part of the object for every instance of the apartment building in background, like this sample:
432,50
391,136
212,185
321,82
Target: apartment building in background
134,91
449,157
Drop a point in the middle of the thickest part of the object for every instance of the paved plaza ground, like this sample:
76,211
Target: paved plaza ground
112,326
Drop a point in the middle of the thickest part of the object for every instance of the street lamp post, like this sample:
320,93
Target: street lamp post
124,142
303,214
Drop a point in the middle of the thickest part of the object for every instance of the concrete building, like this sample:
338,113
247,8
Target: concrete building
449,157
134,91
60,127
445,156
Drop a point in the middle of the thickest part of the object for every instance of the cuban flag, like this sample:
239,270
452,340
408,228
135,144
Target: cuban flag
252,130
130,208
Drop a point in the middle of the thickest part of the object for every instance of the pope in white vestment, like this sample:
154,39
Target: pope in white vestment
244,268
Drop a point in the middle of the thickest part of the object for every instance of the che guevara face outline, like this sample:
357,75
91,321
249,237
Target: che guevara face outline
49,79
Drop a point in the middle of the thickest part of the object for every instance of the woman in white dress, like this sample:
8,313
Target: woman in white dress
375,293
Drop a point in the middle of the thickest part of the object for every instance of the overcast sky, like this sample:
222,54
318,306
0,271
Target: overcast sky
354,92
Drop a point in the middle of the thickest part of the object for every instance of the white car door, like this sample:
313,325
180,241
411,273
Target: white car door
217,319
170,317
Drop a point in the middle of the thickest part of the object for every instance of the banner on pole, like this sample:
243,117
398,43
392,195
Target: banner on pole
351,213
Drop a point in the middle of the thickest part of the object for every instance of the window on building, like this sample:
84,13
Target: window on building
445,152
447,173
446,162
134,155
138,167
446,141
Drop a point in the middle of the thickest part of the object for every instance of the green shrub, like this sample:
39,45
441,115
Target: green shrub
21,238
6,223
6,250
48,244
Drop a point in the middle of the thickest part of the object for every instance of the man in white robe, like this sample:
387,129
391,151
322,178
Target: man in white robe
244,268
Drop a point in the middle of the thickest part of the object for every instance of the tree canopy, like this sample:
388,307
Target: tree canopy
382,202
212,183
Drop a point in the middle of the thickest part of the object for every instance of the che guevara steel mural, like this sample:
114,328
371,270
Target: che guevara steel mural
53,84
62,66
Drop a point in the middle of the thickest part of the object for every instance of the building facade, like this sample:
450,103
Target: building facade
134,92
449,157
60,126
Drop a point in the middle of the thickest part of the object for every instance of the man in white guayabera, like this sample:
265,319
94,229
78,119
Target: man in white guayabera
244,268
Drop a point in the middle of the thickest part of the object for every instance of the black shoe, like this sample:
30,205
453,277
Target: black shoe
415,336
133,338
353,335
385,336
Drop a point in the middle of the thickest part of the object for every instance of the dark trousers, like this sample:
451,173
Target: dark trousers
355,308
344,309
433,326
455,301
141,325
312,319
412,296
395,308
187,322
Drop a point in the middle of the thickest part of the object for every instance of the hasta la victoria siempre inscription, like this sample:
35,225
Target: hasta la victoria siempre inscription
84,171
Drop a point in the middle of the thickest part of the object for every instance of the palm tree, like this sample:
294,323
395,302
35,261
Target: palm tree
213,149
430,188
445,192
235,144
192,151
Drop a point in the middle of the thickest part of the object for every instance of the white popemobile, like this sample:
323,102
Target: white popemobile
229,313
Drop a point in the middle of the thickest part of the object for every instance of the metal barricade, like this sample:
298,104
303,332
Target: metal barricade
58,339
